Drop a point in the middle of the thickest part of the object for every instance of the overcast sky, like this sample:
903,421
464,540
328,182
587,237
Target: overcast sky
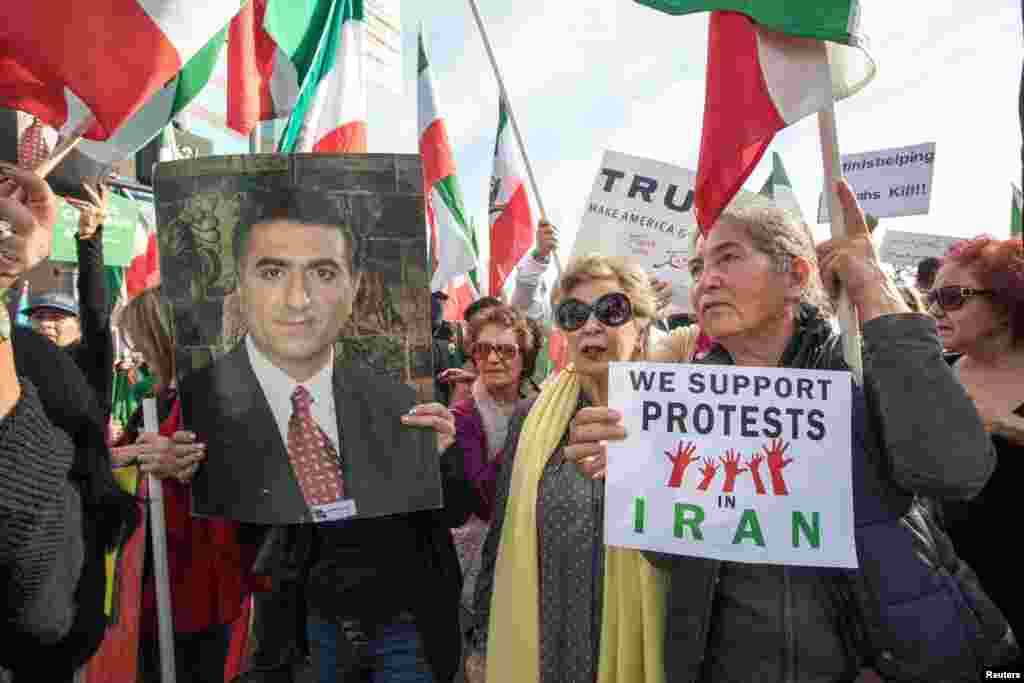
591,75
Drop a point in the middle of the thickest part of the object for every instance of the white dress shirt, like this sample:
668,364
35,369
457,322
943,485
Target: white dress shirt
278,387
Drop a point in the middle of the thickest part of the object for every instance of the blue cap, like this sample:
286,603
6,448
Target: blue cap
55,300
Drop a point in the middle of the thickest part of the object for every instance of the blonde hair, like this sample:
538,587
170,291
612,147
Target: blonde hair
780,234
631,277
147,319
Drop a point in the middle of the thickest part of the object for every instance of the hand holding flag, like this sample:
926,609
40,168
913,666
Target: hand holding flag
851,262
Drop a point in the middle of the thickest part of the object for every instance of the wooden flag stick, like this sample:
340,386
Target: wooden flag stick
64,148
158,524
849,326
515,126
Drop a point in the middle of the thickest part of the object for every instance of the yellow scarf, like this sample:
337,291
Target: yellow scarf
633,616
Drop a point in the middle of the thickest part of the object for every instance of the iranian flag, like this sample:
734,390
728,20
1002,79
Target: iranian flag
779,189
54,64
511,224
144,270
271,46
1016,225
770,64
330,115
452,246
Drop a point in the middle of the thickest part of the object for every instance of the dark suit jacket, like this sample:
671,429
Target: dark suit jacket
247,475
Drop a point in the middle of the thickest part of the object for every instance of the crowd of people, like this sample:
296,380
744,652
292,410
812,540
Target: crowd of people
511,580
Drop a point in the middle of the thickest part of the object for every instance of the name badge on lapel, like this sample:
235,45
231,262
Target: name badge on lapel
331,512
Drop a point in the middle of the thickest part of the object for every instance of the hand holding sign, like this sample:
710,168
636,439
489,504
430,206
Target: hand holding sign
853,262
436,417
588,433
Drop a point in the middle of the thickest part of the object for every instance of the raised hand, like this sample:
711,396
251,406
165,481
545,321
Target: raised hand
547,239
92,213
754,465
684,455
776,463
731,460
28,212
709,470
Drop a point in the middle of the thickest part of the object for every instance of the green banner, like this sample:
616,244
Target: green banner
118,232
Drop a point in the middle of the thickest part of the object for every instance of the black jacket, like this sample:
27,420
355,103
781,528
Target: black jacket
916,433
411,556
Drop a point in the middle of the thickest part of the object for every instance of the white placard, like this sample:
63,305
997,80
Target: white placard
642,209
904,250
889,182
728,463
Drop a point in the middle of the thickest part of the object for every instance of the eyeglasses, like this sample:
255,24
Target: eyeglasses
953,298
481,351
612,309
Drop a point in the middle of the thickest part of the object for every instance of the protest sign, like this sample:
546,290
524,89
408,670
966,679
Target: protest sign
643,210
729,463
275,261
904,250
118,232
889,182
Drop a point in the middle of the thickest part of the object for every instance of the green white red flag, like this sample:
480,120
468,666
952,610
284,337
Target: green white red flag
330,113
144,270
768,67
161,53
509,210
452,246
779,189
1016,224
271,47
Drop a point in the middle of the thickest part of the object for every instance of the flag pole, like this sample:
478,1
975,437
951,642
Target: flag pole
165,623
849,327
515,126
64,148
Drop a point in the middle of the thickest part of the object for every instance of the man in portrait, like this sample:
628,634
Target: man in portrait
293,434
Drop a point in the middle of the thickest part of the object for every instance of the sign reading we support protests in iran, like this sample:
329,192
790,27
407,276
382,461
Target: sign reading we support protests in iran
890,182
643,210
729,463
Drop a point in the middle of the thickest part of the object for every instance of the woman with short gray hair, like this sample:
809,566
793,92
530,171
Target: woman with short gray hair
755,278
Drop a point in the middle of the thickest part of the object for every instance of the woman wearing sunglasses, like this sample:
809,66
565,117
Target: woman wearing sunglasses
978,302
757,291
504,350
552,602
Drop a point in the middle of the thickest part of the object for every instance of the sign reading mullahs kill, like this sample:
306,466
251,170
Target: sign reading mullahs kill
889,182
737,464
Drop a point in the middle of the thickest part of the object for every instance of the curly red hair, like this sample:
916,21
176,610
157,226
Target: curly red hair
999,266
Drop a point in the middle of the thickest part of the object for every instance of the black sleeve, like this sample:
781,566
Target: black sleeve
41,544
95,355
460,499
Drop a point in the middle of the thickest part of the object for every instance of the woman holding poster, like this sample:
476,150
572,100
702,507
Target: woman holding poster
554,604
908,612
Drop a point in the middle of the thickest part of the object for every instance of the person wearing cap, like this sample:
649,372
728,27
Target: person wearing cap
83,329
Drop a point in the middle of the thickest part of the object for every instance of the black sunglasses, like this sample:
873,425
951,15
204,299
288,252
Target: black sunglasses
953,298
481,351
612,310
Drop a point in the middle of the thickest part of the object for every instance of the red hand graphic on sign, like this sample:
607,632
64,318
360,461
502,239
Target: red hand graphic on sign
731,460
776,462
683,456
709,470
754,465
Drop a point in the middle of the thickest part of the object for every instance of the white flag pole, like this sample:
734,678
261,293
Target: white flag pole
849,326
515,126
158,525
64,147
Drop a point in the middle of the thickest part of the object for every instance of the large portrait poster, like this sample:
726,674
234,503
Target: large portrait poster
729,463
273,265
642,209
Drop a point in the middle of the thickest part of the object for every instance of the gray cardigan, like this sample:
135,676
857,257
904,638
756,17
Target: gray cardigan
41,543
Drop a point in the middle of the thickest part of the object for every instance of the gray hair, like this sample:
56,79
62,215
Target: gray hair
780,234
